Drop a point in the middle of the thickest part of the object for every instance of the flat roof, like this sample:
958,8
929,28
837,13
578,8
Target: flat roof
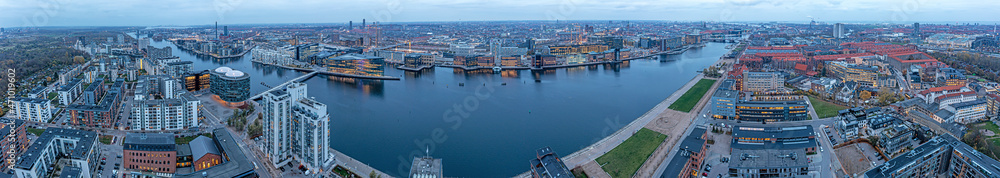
691,143
548,164
768,159
70,172
906,160
30,100
426,167
149,142
33,153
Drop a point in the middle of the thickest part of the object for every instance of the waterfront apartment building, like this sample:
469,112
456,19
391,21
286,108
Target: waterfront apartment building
510,61
547,164
941,156
576,49
69,91
416,60
78,148
32,109
772,111
149,154
356,64
197,81
762,81
863,75
230,85
539,61
157,106
296,127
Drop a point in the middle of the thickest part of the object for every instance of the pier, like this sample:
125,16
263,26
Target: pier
282,85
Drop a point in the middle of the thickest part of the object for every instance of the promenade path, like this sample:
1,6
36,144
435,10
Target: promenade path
666,120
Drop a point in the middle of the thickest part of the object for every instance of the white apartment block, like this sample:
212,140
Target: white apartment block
296,128
157,106
32,109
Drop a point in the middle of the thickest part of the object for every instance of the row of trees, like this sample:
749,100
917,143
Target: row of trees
984,66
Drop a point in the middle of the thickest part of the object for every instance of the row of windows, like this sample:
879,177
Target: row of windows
150,161
157,169
160,155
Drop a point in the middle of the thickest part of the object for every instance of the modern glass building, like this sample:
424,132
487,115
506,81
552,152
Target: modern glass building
230,85
356,64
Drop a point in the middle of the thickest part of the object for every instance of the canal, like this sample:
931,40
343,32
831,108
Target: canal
479,123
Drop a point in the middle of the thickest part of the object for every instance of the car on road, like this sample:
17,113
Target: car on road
708,168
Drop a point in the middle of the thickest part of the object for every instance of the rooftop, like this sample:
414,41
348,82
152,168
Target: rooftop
426,167
548,164
149,141
87,139
236,164
768,159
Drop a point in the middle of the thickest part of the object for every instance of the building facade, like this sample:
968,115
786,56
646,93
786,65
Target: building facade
762,81
158,106
32,109
230,85
149,154
772,111
864,75
79,148
296,128
356,64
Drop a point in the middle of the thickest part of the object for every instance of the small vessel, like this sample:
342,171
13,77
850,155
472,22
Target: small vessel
497,69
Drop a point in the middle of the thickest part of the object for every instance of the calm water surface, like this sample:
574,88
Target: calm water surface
484,128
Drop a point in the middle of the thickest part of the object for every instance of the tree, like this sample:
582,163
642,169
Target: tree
374,175
78,59
866,95
256,128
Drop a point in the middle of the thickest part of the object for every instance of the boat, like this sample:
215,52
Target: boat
496,69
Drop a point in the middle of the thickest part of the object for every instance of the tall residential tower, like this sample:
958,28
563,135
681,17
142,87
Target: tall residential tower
296,128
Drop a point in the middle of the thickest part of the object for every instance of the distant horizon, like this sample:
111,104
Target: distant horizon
577,21
99,13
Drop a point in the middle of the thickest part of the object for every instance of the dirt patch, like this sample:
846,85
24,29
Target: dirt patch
854,162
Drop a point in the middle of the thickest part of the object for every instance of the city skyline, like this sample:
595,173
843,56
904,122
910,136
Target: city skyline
172,12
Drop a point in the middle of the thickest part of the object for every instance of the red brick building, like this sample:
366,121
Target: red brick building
149,154
14,141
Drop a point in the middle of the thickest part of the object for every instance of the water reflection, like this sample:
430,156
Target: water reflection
269,69
364,86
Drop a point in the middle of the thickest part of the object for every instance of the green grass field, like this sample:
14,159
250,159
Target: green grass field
825,109
37,132
625,160
991,127
106,139
690,98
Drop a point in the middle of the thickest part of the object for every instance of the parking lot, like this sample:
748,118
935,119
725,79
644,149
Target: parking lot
716,153
109,158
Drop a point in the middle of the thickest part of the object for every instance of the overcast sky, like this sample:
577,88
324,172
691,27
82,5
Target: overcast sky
203,12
